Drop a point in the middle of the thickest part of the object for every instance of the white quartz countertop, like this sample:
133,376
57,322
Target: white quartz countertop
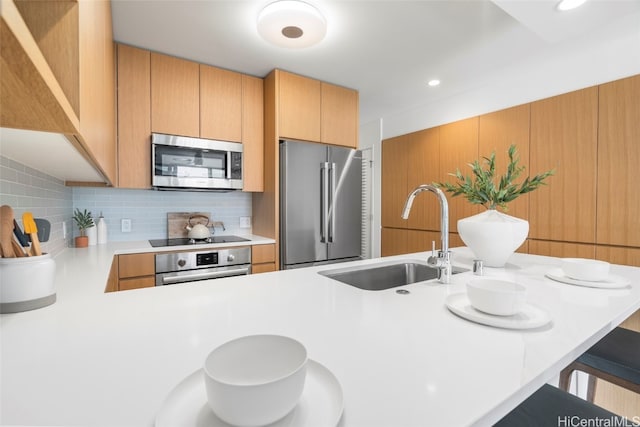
96,359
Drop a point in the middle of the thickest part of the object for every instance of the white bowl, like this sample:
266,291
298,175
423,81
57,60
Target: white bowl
590,270
255,380
497,297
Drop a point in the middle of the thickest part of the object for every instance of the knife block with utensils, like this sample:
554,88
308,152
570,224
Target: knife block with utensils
27,283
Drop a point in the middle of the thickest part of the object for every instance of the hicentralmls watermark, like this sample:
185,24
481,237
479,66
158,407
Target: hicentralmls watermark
576,421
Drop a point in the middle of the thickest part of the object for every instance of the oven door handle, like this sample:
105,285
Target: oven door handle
168,280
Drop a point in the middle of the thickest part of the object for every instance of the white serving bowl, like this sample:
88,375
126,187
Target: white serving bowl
497,297
255,380
591,270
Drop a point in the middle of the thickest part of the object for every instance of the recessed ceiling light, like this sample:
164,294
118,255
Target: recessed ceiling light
291,23
569,4
434,82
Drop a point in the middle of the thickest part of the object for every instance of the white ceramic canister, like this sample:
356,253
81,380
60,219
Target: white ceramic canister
92,234
102,230
27,283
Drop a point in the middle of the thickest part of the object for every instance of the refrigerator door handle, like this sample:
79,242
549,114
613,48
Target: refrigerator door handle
324,200
332,202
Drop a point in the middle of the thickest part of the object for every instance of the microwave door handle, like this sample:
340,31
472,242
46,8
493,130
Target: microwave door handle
228,159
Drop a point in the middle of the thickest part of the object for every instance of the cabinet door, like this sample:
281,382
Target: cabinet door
421,241
136,265
97,84
339,115
564,137
497,131
220,104
393,241
458,148
423,167
618,213
394,180
136,283
618,255
261,254
299,107
561,249
175,95
253,133
134,117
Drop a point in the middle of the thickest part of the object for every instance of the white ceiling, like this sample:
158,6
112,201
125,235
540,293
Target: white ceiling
387,50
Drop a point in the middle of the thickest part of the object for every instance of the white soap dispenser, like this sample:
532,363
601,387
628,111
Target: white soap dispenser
102,230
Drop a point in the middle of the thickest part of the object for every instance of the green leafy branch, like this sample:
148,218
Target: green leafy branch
482,188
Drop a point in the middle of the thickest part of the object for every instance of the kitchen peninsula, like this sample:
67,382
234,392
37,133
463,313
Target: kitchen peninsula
96,358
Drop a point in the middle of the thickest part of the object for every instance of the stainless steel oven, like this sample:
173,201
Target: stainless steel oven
182,267
180,162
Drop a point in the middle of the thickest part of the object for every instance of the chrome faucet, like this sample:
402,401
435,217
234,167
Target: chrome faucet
442,260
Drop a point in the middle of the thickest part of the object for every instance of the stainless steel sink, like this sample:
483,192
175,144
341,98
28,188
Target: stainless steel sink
384,275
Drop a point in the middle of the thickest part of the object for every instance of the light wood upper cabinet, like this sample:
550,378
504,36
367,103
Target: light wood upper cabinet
160,93
497,131
458,147
175,96
299,113
315,111
57,74
97,85
220,104
393,174
564,137
253,133
134,117
618,212
339,115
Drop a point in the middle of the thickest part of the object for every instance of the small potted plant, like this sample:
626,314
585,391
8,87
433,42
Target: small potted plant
492,235
83,221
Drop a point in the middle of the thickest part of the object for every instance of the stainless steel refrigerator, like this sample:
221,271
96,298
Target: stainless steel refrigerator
320,204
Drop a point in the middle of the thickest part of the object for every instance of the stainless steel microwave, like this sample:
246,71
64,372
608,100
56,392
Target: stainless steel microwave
180,162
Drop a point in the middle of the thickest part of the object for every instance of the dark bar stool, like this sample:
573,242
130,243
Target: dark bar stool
552,407
615,358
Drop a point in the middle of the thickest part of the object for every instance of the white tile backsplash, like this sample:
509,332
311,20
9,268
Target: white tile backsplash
148,209
26,189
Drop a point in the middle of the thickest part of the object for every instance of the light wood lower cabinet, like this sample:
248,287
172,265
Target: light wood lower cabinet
136,271
561,249
263,258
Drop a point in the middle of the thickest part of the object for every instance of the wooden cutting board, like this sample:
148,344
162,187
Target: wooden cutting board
177,221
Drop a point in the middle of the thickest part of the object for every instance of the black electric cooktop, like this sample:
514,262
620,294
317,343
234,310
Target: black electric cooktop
182,241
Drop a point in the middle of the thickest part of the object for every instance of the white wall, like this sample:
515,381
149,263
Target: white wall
370,138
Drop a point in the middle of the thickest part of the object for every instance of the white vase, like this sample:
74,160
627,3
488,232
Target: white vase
92,234
493,236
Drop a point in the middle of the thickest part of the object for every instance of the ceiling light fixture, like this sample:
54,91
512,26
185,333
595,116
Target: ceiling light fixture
434,82
291,23
569,4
